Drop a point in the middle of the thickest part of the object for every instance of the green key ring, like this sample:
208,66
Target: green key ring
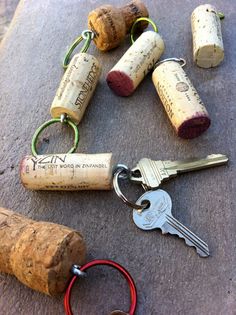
87,35
50,122
139,20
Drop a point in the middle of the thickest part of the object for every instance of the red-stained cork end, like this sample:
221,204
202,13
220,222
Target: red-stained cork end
194,127
120,83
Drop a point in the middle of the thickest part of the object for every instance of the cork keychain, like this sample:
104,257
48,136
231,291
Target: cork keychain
208,48
138,60
110,25
70,171
180,99
39,254
46,257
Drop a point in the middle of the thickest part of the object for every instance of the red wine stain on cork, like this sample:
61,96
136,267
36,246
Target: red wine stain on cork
120,83
194,127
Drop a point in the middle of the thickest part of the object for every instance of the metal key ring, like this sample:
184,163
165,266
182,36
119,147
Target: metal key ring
80,272
123,172
86,35
50,122
140,20
182,61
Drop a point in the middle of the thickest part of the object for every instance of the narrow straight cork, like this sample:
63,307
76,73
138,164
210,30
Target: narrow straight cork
39,254
111,24
180,99
134,65
76,87
67,172
208,48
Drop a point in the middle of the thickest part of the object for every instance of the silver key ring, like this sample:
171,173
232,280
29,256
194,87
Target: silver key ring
75,269
123,172
85,34
182,61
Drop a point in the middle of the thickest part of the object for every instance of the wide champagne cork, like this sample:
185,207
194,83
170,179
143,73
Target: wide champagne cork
138,60
208,48
76,88
39,254
111,24
67,172
180,99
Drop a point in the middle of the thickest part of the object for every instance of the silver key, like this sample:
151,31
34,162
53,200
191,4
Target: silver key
158,215
152,173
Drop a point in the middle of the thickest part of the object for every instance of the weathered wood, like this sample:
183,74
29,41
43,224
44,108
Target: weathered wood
170,277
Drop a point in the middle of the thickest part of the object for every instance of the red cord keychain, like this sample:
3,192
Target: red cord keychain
80,272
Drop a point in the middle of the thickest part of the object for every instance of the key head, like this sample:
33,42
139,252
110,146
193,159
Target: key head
149,173
154,216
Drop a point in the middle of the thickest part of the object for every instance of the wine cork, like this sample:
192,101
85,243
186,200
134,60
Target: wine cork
208,48
76,87
111,24
67,172
138,60
181,101
39,254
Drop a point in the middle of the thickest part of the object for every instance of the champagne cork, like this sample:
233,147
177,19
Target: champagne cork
67,172
39,254
181,101
138,60
76,88
111,24
208,48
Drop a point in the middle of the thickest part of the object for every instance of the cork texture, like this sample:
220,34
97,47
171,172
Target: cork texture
180,99
76,87
208,48
39,254
111,24
135,64
170,277
67,172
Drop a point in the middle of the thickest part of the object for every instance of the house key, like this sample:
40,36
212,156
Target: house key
158,215
152,173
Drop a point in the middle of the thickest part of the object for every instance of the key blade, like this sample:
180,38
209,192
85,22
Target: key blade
174,227
194,164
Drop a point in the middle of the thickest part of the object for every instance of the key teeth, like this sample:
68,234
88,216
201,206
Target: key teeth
204,252
164,231
190,238
201,252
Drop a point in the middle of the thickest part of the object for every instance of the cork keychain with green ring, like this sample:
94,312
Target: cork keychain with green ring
70,171
138,60
110,25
